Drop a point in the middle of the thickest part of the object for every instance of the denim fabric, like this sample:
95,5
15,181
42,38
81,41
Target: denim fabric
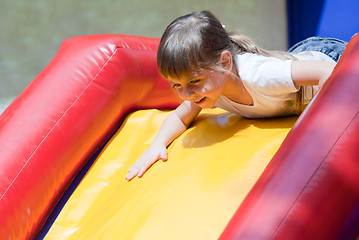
330,46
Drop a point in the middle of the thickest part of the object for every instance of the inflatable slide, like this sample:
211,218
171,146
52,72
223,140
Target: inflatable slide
227,177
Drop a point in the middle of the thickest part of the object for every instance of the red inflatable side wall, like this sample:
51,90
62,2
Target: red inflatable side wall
310,189
64,114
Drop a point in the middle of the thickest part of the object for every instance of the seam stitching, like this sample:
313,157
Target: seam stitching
56,123
305,186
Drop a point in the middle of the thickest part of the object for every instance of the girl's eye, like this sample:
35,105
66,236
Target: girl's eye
195,81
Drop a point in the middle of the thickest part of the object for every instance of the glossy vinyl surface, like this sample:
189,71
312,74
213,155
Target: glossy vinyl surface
193,195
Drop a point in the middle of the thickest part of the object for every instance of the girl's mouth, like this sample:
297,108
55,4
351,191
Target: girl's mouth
200,101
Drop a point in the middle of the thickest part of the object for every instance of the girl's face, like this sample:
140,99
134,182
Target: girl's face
203,89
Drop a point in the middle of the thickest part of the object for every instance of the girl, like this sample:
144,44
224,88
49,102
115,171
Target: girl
208,67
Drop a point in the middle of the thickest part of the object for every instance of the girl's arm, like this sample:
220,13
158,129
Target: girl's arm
175,124
307,73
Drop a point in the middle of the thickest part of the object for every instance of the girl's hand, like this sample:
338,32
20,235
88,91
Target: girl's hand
174,124
147,159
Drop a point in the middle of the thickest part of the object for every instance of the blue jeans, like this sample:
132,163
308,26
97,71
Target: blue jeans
330,46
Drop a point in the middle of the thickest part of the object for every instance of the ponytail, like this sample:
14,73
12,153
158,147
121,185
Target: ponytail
245,44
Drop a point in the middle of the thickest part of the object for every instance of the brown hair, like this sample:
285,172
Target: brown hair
195,41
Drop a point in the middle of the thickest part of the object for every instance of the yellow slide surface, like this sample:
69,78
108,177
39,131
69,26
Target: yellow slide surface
210,169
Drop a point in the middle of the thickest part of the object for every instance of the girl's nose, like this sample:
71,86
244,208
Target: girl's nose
186,94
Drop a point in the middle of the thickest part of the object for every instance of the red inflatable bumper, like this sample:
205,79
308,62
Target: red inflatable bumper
309,190
64,114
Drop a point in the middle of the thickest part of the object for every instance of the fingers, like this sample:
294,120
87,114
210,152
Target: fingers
131,175
146,165
142,171
132,172
145,162
139,168
164,156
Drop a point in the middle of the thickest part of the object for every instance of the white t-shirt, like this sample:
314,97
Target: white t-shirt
268,80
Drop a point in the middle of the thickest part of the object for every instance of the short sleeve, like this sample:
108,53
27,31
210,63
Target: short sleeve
268,75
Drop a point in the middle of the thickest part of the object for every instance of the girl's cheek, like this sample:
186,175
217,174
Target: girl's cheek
179,93
206,87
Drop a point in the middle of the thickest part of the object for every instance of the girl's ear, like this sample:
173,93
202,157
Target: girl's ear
225,60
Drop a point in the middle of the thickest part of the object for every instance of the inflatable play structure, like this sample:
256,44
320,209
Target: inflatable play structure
101,101
330,18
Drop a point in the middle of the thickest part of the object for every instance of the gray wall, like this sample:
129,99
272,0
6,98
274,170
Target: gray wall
32,31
